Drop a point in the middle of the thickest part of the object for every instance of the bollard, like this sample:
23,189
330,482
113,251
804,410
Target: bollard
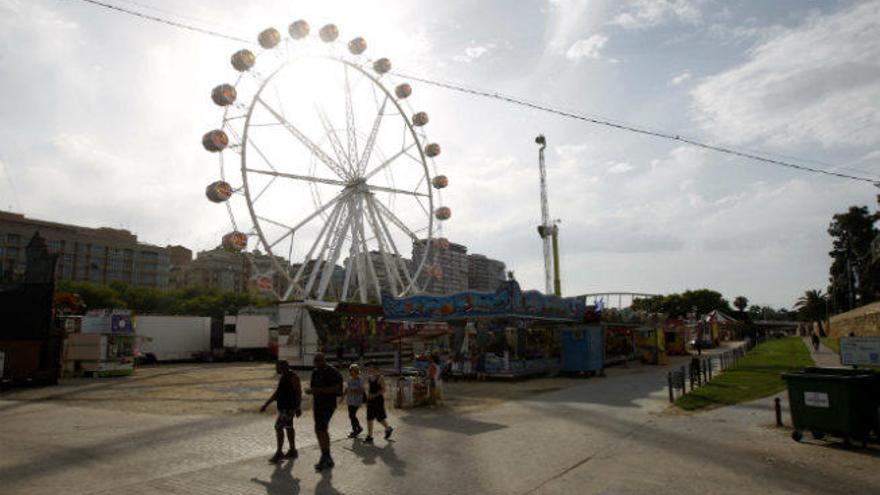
671,392
778,411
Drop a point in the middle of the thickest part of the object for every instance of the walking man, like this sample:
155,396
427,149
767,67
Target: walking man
354,397
325,387
376,403
288,397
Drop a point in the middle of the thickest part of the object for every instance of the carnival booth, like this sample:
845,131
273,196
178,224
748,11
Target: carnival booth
504,334
650,344
676,334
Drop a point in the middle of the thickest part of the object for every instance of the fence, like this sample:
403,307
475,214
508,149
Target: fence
703,368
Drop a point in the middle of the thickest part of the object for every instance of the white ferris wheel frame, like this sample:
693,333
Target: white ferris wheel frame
346,213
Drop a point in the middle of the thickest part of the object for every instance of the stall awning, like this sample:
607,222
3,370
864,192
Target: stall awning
509,301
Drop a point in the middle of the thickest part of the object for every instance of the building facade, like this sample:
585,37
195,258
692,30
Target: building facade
226,271
484,274
97,255
446,268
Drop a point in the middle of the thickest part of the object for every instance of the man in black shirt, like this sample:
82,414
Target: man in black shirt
325,387
288,397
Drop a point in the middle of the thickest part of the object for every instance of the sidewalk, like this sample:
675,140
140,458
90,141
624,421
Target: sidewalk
825,357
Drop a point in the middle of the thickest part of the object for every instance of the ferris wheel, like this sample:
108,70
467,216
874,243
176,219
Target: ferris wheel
326,171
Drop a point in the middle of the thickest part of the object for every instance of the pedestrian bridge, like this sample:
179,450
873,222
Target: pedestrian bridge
618,300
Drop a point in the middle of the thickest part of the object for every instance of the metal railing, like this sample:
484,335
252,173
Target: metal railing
702,368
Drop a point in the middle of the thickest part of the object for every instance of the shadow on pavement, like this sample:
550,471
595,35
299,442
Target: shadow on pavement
369,454
161,436
325,485
452,424
281,482
703,448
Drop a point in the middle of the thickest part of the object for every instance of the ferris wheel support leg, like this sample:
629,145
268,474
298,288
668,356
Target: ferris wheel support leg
311,252
369,267
321,263
327,274
387,231
390,268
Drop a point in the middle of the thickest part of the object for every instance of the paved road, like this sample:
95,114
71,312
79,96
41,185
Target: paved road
613,435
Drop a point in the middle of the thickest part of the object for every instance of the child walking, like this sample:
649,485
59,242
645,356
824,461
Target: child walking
354,397
288,397
376,403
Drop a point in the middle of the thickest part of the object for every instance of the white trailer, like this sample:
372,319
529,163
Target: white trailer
300,346
171,338
246,333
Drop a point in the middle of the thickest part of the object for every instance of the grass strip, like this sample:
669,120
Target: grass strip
756,375
831,343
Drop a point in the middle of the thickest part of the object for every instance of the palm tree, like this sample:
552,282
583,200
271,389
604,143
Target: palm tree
812,306
740,303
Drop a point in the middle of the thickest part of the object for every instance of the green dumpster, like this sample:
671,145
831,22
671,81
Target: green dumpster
833,401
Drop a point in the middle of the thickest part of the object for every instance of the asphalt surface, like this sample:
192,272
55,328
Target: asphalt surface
610,436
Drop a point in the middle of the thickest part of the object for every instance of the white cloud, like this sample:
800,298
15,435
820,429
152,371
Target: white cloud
649,13
818,83
474,52
620,168
587,48
681,78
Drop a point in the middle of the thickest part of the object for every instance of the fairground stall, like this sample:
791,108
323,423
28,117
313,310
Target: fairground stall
504,334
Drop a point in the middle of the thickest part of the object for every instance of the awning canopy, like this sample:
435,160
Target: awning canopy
509,301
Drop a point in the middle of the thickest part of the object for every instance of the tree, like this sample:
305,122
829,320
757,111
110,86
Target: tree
740,303
812,306
854,277
675,305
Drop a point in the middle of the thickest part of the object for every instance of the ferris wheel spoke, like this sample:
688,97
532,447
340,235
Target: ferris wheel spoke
384,228
263,190
388,162
396,191
423,206
394,219
371,140
308,178
302,138
349,122
321,209
273,222
340,152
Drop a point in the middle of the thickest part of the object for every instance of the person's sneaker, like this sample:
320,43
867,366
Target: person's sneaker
388,432
324,463
369,440
353,434
292,454
278,457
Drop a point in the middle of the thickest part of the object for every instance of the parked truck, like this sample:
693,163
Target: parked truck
246,336
173,338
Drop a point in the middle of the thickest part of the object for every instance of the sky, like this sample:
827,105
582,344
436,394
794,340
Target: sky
103,114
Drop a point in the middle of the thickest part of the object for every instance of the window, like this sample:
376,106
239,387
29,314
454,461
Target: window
13,239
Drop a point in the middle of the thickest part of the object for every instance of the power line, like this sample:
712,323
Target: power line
630,128
537,106
167,21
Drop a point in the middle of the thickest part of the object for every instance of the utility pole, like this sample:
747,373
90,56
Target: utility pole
549,231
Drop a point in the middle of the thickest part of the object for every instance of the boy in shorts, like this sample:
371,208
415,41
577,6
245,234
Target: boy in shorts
288,398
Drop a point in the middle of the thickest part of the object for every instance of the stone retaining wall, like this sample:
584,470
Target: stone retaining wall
861,321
